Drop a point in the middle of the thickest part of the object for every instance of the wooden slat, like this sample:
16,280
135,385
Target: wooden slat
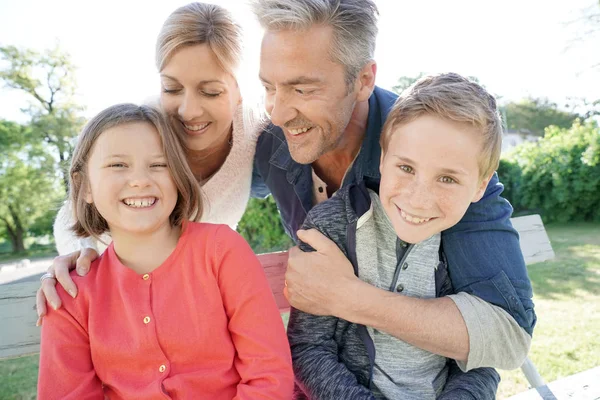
582,386
275,265
18,333
534,240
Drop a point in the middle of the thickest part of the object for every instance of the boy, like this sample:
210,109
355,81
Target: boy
440,147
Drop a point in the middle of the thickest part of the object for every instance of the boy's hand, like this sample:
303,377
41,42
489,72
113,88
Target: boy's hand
317,282
60,270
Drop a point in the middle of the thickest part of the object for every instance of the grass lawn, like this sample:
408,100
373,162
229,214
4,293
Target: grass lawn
567,299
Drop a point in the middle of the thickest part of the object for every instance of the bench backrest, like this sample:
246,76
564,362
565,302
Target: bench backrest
20,336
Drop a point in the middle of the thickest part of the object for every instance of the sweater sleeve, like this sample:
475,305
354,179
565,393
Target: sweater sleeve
66,370
66,241
317,368
263,354
495,338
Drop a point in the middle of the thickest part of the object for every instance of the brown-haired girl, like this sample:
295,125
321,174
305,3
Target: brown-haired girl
171,309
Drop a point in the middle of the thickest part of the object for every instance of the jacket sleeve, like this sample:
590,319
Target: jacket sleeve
263,354
485,259
66,368
317,368
477,384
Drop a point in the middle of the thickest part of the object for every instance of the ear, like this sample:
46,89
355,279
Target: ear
381,161
366,81
481,190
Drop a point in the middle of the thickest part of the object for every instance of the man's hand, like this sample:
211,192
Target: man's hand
317,282
60,269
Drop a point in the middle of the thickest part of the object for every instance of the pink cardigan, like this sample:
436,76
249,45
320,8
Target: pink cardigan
203,325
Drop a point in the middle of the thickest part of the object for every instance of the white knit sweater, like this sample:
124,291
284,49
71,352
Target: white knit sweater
225,195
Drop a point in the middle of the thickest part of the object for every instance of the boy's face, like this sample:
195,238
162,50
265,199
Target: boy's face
429,176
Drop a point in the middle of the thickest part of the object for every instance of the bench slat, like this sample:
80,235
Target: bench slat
582,386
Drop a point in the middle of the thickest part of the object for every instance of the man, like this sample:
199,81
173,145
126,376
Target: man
319,75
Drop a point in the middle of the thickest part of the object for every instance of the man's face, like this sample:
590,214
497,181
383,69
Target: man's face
306,92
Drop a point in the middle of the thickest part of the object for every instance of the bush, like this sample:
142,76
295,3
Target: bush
261,227
558,176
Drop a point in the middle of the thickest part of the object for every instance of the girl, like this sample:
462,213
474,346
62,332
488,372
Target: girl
198,56
172,307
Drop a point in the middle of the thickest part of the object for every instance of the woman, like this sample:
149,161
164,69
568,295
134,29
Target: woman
198,54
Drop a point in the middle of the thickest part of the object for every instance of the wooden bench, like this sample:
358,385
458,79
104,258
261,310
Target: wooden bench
19,335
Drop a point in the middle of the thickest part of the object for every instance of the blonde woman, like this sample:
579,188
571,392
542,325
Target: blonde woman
198,55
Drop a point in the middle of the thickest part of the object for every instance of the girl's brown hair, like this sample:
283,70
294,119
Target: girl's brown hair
89,222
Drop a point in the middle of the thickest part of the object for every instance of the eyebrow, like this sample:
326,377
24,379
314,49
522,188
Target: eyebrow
157,155
450,171
301,80
204,82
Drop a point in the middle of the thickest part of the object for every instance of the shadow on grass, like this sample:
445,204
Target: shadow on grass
576,268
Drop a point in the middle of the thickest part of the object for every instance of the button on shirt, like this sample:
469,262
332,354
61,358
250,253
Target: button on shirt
188,328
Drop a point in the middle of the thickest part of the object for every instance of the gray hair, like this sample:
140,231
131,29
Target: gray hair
354,24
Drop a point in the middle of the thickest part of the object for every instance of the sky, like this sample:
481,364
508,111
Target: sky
517,48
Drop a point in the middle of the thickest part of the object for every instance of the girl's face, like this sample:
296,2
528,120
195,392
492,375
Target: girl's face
201,95
129,181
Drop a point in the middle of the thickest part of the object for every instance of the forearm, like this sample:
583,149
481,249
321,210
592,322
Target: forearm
413,320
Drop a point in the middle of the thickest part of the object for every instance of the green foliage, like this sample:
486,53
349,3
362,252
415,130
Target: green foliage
559,176
534,115
48,80
261,227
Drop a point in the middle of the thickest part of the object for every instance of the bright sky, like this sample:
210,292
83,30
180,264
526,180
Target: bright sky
517,48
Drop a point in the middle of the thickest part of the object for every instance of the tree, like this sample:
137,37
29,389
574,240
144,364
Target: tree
28,185
534,115
48,80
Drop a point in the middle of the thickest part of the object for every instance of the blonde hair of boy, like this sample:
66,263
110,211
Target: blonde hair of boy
89,222
455,98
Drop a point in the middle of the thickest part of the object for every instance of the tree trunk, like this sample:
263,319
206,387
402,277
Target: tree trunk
16,232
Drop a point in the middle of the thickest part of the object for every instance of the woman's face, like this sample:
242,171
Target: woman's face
200,94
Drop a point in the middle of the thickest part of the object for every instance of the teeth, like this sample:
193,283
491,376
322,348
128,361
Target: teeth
140,203
298,131
196,127
414,220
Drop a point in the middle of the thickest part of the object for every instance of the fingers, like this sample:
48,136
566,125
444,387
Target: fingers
85,260
315,239
40,305
61,266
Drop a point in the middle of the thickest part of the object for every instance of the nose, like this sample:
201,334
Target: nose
279,108
190,106
139,177
421,195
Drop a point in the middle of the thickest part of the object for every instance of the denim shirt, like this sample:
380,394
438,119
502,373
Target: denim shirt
482,250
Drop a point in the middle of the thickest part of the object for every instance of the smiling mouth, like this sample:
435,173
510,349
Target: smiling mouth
413,219
199,128
299,131
143,202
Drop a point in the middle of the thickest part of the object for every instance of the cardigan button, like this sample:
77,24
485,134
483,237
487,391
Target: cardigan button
146,320
405,265
145,277
399,288
162,368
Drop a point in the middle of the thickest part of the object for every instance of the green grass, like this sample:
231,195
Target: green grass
18,378
567,303
42,252
567,299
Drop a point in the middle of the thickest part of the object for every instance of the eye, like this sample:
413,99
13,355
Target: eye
171,91
117,165
406,168
211,94
447,179
158,165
